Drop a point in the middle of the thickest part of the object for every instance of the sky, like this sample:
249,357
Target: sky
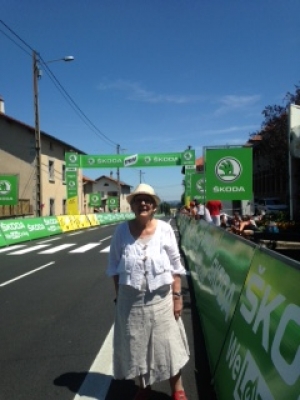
152,76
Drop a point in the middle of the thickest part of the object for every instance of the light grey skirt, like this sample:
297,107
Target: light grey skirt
148,341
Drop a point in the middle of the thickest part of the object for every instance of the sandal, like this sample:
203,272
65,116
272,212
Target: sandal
144,394
179,395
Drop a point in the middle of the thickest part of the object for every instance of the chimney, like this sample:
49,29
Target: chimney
111,174
2,108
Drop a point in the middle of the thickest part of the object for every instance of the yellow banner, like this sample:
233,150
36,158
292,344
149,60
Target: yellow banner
72,206
93,220
66,222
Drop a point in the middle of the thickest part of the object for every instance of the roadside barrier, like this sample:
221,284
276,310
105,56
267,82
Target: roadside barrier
13,231
249,305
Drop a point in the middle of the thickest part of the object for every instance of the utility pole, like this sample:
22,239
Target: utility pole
118,179
141,173
38,189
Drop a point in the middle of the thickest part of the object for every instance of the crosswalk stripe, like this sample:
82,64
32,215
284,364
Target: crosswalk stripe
28,249
10,248
57,248
105,250
86,247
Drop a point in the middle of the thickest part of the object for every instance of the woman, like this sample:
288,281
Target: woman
144,261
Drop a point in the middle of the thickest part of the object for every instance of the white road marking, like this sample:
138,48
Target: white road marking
86,247
50,240
57,248
105,250
108,237
75,233
27,273
10,248
29,249
97,382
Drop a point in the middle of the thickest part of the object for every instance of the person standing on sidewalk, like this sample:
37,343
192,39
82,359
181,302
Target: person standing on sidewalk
149,337
214,207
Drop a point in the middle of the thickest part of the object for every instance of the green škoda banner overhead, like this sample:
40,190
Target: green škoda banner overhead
134,160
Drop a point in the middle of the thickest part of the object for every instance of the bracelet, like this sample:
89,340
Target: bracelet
178,294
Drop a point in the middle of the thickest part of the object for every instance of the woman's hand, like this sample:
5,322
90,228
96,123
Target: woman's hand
178,306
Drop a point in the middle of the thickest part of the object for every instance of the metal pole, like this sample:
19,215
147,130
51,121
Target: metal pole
38,188
118,179
290,181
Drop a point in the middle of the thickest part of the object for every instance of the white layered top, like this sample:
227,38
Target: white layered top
133,260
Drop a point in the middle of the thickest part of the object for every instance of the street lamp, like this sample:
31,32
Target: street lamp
36,76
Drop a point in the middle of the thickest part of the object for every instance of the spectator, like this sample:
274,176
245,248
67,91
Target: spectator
214,207
235,223
247,226
193,209
199,210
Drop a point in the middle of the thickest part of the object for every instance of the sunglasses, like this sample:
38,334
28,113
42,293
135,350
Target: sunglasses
146,200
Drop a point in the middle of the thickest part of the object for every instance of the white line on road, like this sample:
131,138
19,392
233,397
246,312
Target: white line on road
97,382
105,250
57,248
50,240
86,247
108,237
10,248
27,273
29,249
75,233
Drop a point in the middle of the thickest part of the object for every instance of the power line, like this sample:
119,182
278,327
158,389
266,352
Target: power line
60,88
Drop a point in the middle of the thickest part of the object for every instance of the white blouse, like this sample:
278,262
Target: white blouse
133,260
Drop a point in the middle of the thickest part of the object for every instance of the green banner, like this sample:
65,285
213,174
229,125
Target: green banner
198,186
52,225
112,202
36,228
9,185
71,182
261,356
14,231
2,239
228,173
222,272
189,170
95,199
133,160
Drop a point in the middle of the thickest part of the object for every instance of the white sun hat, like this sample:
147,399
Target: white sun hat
143,188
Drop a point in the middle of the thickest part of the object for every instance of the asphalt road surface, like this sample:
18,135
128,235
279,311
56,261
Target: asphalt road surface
57,311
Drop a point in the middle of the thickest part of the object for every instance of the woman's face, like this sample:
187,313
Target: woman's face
142,204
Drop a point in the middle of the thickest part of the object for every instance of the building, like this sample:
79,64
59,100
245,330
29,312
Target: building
17,157
107,186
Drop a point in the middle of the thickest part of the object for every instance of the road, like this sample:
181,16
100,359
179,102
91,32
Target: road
57,310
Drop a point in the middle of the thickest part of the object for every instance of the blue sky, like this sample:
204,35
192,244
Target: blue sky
152,76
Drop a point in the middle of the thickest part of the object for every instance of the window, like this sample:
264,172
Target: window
51,170
64,206
63,173
51,207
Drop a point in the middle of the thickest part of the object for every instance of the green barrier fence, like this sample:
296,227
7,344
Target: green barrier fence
21,230
14,231
2,240
41,227
261,355
249,305
52,225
